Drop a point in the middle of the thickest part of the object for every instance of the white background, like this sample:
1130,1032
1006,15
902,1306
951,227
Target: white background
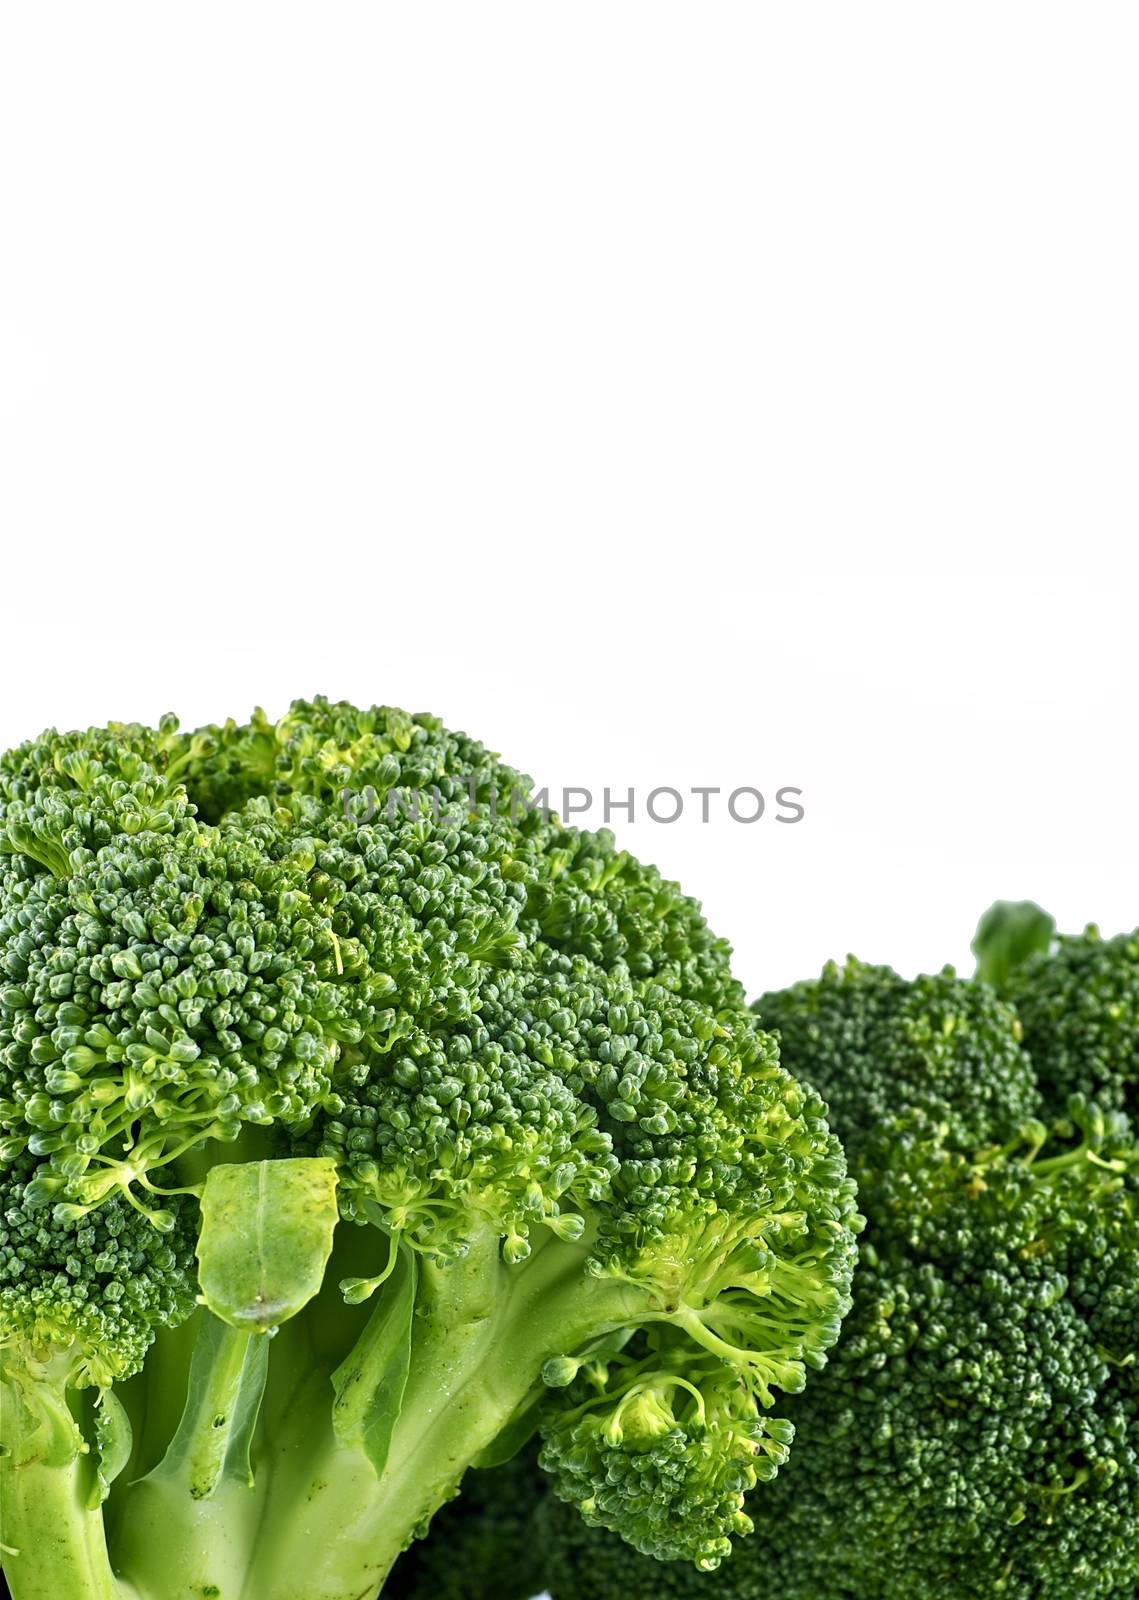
669,394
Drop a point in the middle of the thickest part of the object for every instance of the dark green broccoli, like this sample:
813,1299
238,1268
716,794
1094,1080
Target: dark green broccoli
980,1425
482,1546
1079,1006
1077,997
873,1043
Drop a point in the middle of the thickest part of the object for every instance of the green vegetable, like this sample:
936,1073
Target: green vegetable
976,1430
1077,997
873,1043
342,1102
1009,932
1079,1005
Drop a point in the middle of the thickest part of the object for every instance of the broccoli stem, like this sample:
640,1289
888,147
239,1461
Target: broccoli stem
482,1331
175,1548
190,1521
327,1513
53,1544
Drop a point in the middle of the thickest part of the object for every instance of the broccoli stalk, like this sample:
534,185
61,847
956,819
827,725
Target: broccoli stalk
482,1333
351,1425
51,1532
366,1442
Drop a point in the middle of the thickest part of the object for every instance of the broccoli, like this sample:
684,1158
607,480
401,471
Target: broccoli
481,1546
989,1358
1077,997
349,1113
976,1430
873,1043
584,1563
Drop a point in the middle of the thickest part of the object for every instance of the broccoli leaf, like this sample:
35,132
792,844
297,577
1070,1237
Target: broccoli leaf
1009,932
266,1238
369,1385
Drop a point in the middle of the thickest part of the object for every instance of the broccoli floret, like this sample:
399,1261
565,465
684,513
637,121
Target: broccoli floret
976,1377
873,1044
342,1101
976,1431
1079,1006
978,1425
1077,997
667,1459
81,1300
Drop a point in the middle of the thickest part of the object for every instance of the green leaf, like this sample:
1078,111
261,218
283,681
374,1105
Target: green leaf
1009,932
113,1439
369,1384
266,1237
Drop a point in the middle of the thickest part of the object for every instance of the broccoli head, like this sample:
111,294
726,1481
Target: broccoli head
988,1363
979,1424
350,1106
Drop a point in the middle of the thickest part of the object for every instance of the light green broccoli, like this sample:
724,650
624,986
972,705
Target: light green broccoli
341,1101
